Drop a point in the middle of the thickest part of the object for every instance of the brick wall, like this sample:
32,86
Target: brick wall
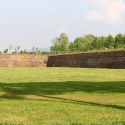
22,60
114,59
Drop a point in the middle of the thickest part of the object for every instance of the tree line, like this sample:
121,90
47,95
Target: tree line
61,44
19,50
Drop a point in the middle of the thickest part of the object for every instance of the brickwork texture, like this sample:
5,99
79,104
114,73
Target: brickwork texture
114,59
22,60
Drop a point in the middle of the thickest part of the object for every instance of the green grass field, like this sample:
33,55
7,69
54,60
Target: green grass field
62,96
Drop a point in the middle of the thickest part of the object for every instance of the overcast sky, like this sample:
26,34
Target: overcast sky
35,22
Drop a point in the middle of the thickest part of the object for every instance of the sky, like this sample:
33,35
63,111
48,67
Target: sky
29,23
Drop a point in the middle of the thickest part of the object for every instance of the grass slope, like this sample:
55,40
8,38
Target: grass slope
62,96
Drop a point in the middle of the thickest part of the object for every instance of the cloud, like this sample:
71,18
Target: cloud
110,11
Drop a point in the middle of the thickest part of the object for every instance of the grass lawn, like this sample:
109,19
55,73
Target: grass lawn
62,96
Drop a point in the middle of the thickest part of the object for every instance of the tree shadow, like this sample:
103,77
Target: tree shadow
45,89
85,102
54,88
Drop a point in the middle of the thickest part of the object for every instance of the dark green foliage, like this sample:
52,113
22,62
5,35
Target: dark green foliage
87,42
82,43
5,51
119,40
109,42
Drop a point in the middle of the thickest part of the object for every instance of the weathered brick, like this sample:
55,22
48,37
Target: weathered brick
114,59
22,60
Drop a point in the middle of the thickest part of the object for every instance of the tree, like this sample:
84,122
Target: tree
88,42
56,45
6,51
60,44
82,43
64,42
72,47
110,41
98,43
119,40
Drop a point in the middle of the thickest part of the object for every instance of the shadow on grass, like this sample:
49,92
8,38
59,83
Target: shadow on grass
85,102
44,89
54,88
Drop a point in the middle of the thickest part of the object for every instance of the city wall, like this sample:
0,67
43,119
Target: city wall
22,60
114,59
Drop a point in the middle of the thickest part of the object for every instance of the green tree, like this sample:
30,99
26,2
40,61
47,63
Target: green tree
79,44
6,51
72,47
89,40
82,43
98,43
119,40
110,41
60,44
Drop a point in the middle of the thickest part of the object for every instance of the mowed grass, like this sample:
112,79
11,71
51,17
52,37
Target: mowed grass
62,96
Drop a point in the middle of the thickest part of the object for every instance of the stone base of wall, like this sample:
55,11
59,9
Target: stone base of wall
22,60
114,59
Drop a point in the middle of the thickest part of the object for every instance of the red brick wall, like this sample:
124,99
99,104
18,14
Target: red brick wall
22,60
114,59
